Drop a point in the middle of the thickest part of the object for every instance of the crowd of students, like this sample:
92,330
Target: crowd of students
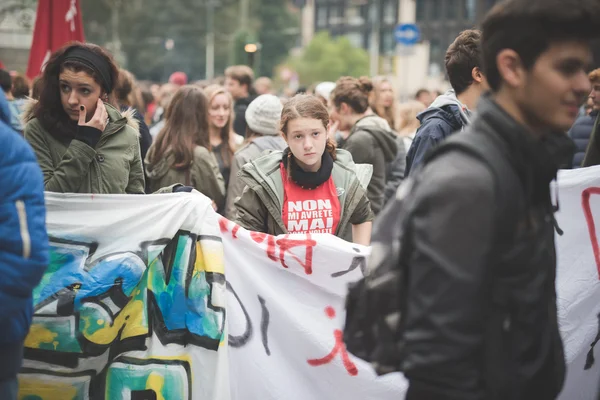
329,160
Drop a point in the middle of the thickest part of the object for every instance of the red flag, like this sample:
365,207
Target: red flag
57,22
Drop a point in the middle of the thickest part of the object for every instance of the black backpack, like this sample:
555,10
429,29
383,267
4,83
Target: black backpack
375,304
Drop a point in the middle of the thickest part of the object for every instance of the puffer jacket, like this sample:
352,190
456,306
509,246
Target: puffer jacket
580,132
371,141
481,316
260,206
250,151
204,175
71,166
445,116
24,252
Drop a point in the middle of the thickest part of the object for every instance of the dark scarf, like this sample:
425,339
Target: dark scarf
308,180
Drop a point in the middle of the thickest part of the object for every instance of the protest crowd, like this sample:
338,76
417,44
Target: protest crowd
451,190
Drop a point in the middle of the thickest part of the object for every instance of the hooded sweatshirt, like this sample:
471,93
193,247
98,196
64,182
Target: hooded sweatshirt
252,150
371,141
445,116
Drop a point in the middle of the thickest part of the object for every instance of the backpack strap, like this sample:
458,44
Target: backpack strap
488,149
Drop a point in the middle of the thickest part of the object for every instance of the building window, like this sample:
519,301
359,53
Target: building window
355,38
420,12
452,8
436,9
469,11
387,41
354,17
336,15
321,17
389,12
435,51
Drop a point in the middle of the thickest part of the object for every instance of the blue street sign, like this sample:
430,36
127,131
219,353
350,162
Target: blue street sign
407,34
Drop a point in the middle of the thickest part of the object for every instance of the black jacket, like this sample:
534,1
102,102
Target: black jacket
239,109
436,125
580,132
481,319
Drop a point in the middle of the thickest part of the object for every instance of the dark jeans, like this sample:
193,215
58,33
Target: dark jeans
9,389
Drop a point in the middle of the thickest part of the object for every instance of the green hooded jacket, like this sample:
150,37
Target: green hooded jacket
71,166
260,206
204,174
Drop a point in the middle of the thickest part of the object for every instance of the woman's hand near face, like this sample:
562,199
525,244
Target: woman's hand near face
98,121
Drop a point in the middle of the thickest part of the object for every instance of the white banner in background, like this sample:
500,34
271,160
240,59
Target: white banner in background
144,316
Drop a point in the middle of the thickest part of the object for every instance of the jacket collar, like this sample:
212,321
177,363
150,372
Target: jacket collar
537,161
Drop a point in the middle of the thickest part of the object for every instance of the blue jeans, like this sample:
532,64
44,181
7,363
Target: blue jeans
9,389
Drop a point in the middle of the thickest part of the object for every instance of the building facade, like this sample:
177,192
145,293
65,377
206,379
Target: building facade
355,19
440,21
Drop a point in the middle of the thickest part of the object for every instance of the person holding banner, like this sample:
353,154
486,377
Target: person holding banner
310,187
82,142
180,153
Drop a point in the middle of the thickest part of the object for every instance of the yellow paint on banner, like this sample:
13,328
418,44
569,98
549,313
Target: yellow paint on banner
209,259
40,389
134,325
38,335
156,383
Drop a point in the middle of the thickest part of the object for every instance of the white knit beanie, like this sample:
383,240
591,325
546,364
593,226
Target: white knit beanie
263,114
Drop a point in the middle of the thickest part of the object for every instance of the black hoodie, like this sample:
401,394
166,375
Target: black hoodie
239,109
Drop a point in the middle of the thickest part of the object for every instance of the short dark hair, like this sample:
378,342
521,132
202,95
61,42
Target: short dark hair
462,56
530,27
241,73
20,86
5,80
420,92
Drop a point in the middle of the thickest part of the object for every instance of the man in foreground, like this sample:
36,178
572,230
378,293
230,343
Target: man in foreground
480,318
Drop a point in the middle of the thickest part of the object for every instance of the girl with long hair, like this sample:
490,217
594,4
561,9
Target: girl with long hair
180,153
383,101
224,142
310,187
82,142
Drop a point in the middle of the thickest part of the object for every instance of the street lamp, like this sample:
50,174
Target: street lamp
251,49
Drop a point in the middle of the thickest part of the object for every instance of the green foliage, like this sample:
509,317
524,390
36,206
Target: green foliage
326,59
145,25
278,33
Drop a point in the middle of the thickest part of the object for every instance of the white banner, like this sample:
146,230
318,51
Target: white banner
133,304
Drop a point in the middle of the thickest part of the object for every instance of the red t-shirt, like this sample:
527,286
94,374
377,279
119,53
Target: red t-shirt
310,210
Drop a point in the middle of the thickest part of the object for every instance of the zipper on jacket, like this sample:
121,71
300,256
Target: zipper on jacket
25,238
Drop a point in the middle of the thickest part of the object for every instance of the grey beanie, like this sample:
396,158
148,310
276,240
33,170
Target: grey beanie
263,114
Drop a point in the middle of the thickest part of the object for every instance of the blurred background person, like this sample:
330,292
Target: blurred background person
165,94
424,96
370,139
263,85
6,85
223,141
128,97
383,101
178,79
238,82
262,116
82,142
409,123
20,91
592,153
181,152
323,91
